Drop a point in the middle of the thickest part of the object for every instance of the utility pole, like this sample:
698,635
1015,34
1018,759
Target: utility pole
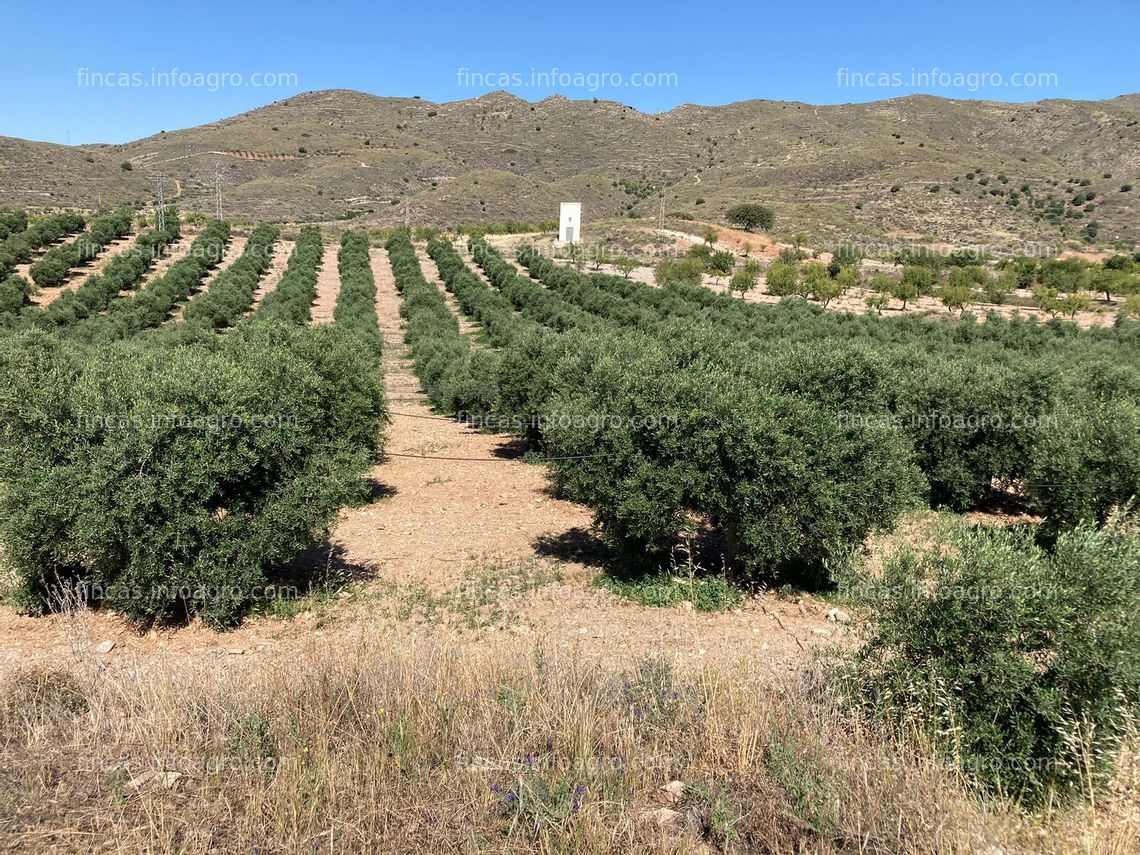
217,191
662,210
407,212
160,214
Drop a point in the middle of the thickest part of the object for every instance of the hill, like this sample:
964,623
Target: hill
944,170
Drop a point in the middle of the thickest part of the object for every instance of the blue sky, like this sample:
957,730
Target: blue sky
84,72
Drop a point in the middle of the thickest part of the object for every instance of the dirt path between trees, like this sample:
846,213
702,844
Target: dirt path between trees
471,547
328,286
282,252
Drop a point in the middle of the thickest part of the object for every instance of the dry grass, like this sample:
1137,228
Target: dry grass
425,748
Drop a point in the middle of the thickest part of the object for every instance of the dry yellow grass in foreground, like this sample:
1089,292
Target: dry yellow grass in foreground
428,748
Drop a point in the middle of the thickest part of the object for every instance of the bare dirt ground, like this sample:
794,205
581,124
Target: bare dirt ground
759,246
282,252
46,296
328,286
469,548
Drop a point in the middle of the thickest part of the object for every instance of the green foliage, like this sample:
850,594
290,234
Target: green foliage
680,271
972,400
999,288
18,246
813,275
509,227
626,265
719,445
956,296
1070,304
12,222
971,422
721,264
355,310
922,278
701,251
744,279
1048,300
153,305
169,481
232,292
124,273
847,255
706,593
1091,447
1015,663
825,290
291,302
848,278
904,290
751,216
878,301
458,378
781,279
57,262
15,292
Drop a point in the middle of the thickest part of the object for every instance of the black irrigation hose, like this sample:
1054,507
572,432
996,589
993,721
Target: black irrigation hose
501,459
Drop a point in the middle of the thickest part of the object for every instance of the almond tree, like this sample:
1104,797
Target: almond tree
626,265
721,264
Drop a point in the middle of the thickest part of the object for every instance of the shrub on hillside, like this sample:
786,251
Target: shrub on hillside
751,216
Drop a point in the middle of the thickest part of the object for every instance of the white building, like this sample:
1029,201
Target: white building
570,222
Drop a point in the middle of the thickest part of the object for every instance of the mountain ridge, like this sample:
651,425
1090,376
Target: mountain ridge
836,172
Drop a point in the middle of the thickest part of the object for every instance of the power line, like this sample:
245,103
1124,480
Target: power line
217,190
160,214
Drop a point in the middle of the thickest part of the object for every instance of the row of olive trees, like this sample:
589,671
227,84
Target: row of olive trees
976,413
152,306
291,302
994,634
124,273
232,292
171,477
52,269
19,246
